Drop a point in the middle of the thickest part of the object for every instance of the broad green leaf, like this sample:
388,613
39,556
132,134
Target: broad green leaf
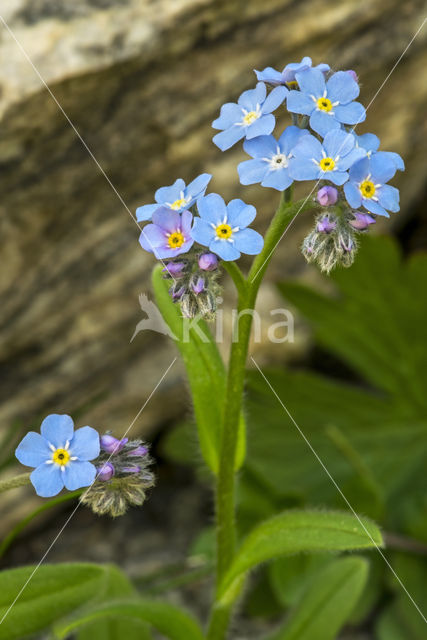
165,618
32,598
206,375
299,531
327,602
290,575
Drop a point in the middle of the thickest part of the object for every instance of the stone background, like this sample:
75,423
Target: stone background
141,81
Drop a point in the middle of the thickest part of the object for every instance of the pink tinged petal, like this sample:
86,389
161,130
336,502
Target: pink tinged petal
33,450
342,87
186,221
151,237
240,214
274,99
212,208
79,473
352,113
167,219
47,480
85,444
57,429
166,252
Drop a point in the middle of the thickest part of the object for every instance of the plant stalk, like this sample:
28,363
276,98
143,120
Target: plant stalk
17,481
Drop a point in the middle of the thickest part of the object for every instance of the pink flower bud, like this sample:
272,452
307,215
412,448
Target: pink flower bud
361,221
106,472
110,444
208,261
327,196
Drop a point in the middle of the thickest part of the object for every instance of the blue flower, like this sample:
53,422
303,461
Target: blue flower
329,161
169,235
329,104
287,76
250,117
177,197
367,185
223,228
272,159
60,455
370,143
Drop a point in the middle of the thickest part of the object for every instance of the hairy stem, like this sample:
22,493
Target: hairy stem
17,481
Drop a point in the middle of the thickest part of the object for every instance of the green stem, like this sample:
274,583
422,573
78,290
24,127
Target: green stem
236,275
17,481
225,489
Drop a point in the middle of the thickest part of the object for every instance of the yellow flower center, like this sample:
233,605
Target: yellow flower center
292,84
250,117
327,164
61,457
367,189
324,104
223,231
178,204
176,240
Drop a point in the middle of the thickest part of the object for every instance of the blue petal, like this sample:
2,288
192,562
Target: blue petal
352,113
368,141
79,473
227,138
269,75
202,232
337,177
274,99
279,179
359,170
382,167
298,102
397,159
165,251
252,171
342,87
311,81
303,169
166,219
171,193
263,126
33,450
338,142
57,429
353,195
85,444
351,158
308,147
224,249
198,186
151,237
374,207
249,99
240,214
261,147
145,212
212,208
388,197
248,241
290,138
322,122
230,114
47,480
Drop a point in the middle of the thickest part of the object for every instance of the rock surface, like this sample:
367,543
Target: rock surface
141,82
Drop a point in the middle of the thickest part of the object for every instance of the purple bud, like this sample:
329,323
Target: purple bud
353,75
208,262
327,195
133,469
111,444
325,225
361,221
105,472
139,451
347,245
174,269
176,293
199,285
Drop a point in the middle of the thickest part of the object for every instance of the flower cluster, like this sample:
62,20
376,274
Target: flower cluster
319,145
123,476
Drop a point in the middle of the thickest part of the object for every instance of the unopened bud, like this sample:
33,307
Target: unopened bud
174,269
326,224
327,196
106,472
111,444
361,221
208,261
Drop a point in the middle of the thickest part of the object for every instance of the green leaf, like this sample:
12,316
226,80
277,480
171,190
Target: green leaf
167,619
299,531
44,594
206,374
327,602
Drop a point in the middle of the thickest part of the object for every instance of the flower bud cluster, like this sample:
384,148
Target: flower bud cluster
123,476
195,285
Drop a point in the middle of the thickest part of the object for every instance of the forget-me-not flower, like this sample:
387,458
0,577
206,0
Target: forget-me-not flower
271,159
370,143
328,161
60,455
250,117
287,76
177,196
223,228
328,103
367,185
169,234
